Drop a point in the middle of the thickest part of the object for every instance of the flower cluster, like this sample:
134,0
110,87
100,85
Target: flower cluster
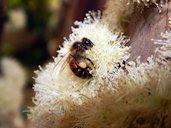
57,87
138,102
118,95
118,20
117,13
142,97
146,2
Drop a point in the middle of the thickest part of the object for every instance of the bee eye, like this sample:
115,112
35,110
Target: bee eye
77,45
87,43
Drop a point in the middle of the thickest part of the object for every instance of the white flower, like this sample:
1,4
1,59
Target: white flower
142,97
146,2
158,3
56,83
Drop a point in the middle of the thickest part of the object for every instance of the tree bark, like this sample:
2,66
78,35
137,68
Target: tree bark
145,26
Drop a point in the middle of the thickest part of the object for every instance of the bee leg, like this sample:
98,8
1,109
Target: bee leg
90,64
85,74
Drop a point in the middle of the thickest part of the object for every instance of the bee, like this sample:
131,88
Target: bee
78,63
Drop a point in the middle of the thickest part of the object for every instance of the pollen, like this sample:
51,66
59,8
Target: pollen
82,64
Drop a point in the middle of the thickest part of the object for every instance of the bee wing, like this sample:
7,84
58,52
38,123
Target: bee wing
61,62
64,64
67,60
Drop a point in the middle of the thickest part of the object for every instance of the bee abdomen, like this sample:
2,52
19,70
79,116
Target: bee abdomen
80,72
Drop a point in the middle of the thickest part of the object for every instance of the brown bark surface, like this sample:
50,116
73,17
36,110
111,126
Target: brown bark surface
145,26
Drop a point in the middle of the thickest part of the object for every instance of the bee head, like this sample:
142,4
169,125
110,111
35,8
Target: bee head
87,44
